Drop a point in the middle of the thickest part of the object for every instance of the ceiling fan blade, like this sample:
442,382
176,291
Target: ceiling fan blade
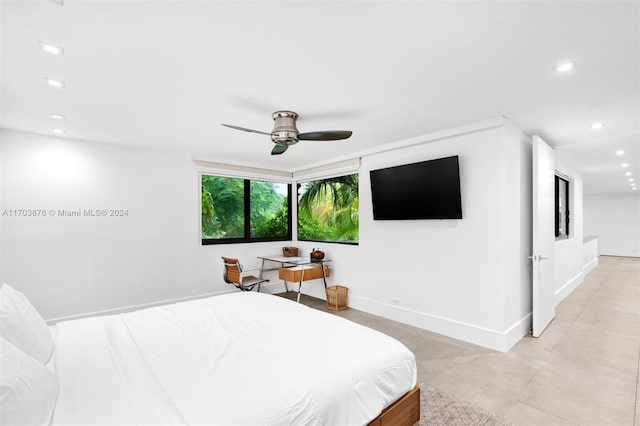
327,135
245,129
279,149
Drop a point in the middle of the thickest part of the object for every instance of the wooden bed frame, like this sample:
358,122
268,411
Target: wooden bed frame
403,412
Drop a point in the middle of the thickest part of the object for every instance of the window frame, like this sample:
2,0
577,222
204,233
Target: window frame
565,182
247,211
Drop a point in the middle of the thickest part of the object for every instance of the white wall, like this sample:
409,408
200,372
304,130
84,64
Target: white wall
75,265
518,291
615,220
569,260
1,209
449,268
589,254
466,278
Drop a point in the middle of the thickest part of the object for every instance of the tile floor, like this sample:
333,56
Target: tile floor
582,370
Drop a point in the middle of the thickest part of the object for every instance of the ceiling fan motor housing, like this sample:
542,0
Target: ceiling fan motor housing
285,131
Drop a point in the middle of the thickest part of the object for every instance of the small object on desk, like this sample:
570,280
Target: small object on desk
290,251
317,254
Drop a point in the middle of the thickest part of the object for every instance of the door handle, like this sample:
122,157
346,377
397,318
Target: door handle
537,257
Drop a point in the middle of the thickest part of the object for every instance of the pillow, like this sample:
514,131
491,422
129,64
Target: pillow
22,325
28,390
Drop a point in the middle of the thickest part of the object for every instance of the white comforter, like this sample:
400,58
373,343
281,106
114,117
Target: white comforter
236,359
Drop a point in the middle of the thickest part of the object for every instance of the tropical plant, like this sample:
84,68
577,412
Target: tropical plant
223,208
328,210
269,209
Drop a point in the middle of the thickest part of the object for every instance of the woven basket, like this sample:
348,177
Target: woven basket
290,251
337,297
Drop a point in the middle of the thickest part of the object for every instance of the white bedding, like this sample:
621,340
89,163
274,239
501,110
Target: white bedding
236,359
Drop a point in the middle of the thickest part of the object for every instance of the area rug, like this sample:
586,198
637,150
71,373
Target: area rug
440,408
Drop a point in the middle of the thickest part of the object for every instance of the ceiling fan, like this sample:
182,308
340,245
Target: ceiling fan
285,132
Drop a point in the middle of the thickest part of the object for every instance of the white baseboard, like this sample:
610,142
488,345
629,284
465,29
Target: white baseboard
589,266
569,286
517,331
130,308
498,340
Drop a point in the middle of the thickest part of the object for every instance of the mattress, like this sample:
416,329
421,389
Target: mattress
235,359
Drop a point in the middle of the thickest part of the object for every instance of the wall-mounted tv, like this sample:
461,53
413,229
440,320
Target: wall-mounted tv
425,190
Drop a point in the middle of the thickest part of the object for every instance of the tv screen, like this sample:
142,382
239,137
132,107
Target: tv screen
425,190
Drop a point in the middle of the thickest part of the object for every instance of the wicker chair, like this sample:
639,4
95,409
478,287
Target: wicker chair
234,274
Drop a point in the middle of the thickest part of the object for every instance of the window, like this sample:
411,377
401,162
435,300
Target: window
562,208
238,210
328,210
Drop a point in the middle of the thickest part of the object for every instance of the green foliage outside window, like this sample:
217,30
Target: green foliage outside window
222,207
328,210
225,215
269,209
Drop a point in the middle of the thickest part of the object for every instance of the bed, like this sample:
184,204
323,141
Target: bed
234,359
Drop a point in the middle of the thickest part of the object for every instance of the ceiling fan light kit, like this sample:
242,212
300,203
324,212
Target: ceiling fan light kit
285,132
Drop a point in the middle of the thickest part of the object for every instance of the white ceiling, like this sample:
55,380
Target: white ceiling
165,74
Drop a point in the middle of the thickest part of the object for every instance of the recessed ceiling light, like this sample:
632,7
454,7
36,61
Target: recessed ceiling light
51,48
628,174
58,2
619,152
55,83
634,189
58,131
630,179
57,116
565,67
625,165
597,126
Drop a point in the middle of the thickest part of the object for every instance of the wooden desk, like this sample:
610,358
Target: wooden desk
298,269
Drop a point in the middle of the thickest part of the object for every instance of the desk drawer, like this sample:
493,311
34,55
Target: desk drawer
311,272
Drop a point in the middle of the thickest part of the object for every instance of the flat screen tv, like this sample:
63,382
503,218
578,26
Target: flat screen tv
425,190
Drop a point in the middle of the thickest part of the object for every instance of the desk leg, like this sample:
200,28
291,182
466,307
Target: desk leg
300,285
324,276
260,275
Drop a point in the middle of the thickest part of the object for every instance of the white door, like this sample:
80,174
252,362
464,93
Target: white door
544,239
